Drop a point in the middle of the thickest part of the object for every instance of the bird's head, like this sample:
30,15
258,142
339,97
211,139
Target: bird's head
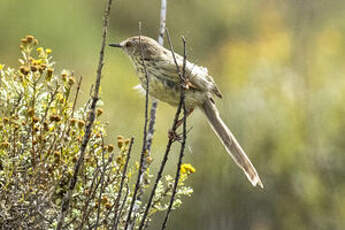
139,46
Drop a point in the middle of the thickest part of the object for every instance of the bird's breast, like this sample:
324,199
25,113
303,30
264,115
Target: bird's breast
164,84
160,88
168,91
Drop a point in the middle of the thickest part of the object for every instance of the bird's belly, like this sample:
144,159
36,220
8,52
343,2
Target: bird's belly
169,92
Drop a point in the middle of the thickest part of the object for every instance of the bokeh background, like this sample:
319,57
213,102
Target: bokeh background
281,68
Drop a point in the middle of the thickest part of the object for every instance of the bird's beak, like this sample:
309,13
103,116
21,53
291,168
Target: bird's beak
115,45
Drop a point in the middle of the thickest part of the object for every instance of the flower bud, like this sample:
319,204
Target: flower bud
24,70
64,76
31,112
49,73
99,112
29,38
73,121
33,68
81,124
35,119
71,81
46,126
110,148
108,206
4,145
120,141
43,66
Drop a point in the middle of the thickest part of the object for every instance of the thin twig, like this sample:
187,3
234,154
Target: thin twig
66,132
76,95
118,198
143,151
123,202
154,104
73,181
182,79
87,202
151,130
183,144
171,140
102,184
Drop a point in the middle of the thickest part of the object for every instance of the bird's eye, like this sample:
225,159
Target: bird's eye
128,44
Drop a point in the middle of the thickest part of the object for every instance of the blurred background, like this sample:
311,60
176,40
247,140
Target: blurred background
281,68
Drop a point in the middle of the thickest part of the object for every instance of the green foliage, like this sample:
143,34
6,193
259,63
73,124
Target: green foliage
40,136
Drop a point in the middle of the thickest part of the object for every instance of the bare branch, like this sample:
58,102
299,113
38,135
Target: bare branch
154,104
183,144
103,172
142,166
118,198
73,181
170,142
76,95
162,21
182,79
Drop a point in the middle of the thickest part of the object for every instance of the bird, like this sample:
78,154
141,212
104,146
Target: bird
157,63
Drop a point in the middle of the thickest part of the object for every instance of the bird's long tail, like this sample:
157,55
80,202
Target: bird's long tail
230,143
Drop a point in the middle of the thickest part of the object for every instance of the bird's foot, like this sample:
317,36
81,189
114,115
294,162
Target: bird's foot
172,132
173,136
187,84
190,85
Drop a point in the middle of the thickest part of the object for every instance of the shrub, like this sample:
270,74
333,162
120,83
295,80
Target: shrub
40,136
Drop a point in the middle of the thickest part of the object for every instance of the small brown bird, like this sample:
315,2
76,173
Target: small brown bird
164,85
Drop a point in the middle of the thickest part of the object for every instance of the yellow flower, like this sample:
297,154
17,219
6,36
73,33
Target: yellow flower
1,67
187,169
37,62
48,51
39,49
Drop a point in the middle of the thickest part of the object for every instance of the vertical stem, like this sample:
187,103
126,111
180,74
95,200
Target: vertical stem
183,144
142,166
162,21
171,140
154,104
118,198
88,127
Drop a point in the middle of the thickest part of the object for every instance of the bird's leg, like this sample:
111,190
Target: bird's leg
180,122
172,134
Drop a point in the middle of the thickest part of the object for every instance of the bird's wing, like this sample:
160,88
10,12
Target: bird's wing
197,76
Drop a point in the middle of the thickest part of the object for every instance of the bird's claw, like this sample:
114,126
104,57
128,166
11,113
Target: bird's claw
173,136
187,84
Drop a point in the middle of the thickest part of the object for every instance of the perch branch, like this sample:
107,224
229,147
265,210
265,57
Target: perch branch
184,137
171,140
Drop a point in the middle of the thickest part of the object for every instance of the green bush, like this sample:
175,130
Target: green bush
41,131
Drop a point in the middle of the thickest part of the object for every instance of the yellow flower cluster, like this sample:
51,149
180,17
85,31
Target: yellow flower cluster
187,169
41,51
